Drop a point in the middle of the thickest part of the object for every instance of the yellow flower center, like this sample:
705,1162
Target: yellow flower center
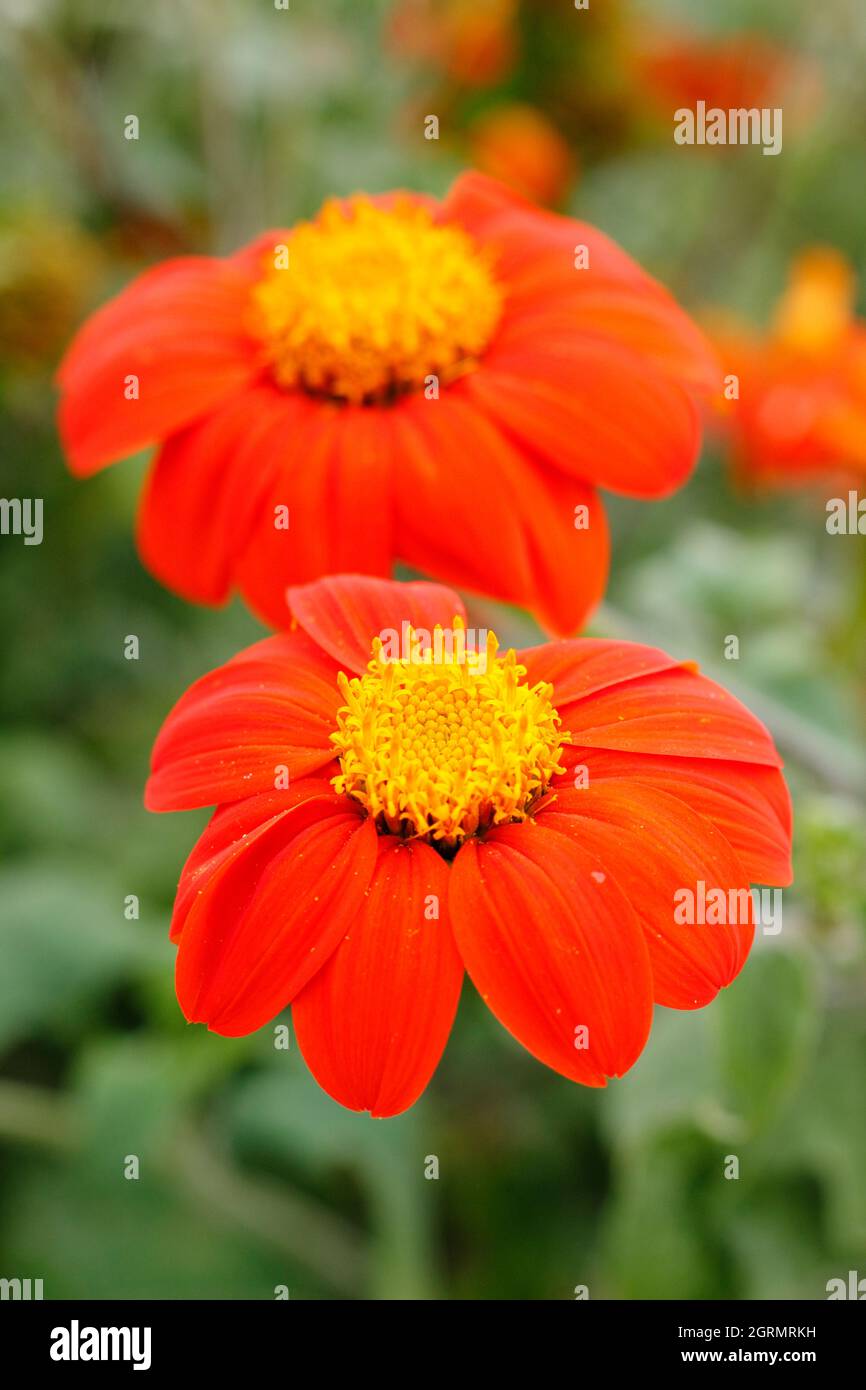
367,302
815,311
446,742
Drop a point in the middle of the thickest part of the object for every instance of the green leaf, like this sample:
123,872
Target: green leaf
766,1025
654,1244
673,1084
63,941
131,1240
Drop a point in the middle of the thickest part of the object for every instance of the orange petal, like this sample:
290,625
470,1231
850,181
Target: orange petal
748,803
179,329
676,712
271,913
345,612
207,495
484,514
553,948
271,707
589,664
656,847
562,274
334,481
373,1023
233,829
534,248
594,410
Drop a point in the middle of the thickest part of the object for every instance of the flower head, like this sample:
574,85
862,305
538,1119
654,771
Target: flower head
800,412
471,41
676,66
518,143
392,813
445,384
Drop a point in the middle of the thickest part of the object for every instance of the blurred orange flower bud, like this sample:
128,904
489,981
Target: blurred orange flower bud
473,41
519,145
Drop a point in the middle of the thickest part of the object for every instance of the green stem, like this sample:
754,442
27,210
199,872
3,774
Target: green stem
305,1231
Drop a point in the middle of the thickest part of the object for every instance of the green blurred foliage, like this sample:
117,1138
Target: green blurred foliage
250,1178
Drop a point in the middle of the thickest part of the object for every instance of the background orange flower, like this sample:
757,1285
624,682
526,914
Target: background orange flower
801,410
443,384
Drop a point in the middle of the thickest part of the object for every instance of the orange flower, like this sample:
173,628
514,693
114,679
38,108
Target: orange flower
518,144
801,410
680,68
398,801
473,41
399,379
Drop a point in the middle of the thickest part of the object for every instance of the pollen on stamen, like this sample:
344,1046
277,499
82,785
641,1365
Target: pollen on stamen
371,301
443,749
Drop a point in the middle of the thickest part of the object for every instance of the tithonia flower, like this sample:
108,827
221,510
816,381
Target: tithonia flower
678,67
473,42
444,384
798,410
399,801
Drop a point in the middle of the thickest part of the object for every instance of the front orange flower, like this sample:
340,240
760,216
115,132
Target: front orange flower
442,384
398,801
801,407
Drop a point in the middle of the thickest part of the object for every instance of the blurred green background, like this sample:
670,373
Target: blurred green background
250,1177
